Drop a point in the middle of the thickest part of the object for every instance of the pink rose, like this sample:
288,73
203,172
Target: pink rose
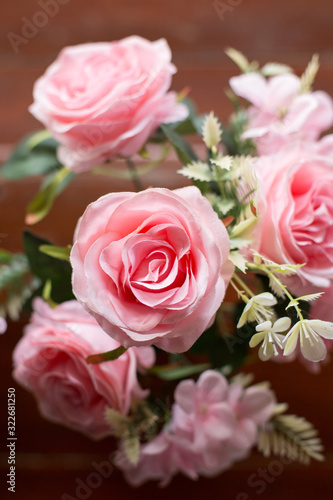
295,207
151,267
211,427
49,361
279,112
105,99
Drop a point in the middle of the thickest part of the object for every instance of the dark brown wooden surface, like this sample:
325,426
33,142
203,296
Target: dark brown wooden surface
50,459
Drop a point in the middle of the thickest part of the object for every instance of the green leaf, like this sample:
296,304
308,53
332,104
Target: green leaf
224,205
241,61
45,267
244,228
131,445
34,155
183,149
187,126
197,170
167,372
118,422
16,285
42,203
5,256
61,253
305,298
101,357
211,131
224,350
238,260
224,163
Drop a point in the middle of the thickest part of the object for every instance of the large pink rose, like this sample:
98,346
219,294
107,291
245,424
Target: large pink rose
295,206
49,361
279,112
103,99
151,267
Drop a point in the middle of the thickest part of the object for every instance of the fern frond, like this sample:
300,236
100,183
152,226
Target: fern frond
292,437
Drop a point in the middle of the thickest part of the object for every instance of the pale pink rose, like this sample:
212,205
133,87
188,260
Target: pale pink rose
105,99
50,361
279,113
234,415
295,207
151,267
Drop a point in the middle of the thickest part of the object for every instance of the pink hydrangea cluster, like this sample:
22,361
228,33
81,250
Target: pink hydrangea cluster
213,424
280,112
50,361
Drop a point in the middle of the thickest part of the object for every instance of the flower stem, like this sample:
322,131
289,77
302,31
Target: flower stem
134,174
243,285
271,275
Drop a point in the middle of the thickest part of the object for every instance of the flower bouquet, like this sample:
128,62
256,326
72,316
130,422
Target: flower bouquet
140,327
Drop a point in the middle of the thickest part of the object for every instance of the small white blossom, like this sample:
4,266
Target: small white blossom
258,309
309,332
270,336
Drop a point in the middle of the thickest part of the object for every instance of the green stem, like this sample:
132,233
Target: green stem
243,285
273,277
134,174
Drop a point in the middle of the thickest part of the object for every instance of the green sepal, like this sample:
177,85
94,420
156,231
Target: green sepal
169,372
95,359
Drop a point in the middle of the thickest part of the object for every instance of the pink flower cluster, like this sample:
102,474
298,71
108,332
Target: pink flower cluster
212,426
50,361
279,112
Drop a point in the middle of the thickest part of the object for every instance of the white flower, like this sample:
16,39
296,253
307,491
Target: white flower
310,332
270,336
257,309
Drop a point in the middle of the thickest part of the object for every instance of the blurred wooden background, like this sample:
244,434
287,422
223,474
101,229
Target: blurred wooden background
51,459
